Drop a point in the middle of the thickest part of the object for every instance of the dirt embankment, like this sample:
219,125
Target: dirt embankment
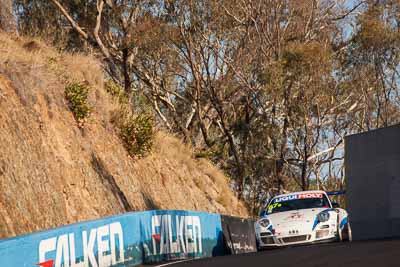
54,173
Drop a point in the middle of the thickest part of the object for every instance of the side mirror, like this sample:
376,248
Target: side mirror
335,205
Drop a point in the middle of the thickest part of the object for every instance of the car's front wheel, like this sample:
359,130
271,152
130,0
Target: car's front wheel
345,234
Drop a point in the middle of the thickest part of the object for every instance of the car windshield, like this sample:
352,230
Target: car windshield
297,202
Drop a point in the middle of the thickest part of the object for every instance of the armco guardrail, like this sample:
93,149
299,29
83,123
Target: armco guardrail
125,240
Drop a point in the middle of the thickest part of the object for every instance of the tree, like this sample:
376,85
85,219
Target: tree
266,89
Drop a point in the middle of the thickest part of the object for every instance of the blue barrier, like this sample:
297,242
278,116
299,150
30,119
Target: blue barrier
124,240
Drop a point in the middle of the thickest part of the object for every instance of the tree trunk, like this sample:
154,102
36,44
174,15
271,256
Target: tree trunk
126,72
7,19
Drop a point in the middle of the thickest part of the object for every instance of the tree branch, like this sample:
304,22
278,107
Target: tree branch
71,20
104,50
349,12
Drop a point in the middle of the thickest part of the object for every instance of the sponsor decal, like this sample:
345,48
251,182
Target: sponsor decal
179,234
310,195
240,247
285,198
298,196
98,247
273,206
48,263
294,216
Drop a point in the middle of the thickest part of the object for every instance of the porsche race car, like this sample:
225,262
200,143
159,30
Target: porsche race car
302,218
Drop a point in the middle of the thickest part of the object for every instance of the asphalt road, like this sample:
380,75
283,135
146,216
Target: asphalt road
367,253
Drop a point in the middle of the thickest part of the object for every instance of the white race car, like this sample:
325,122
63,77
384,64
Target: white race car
302,218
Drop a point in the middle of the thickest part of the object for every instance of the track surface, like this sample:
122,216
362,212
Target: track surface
367,253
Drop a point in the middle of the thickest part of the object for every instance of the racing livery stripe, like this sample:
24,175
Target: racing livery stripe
343,222
316,221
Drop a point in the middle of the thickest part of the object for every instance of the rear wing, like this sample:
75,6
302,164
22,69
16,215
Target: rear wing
336,193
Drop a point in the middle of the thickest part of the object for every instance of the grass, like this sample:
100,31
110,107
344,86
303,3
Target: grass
170,176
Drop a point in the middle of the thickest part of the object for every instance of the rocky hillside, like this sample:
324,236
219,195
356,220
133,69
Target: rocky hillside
53,172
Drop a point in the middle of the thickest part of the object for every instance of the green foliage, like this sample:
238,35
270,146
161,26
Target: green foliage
77,96
376,35
207,154
52,60
137,133
306,58
116,91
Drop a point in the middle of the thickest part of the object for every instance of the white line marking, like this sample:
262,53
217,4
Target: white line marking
172,263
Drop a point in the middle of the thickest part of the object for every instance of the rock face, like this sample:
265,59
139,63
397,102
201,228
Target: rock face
53,173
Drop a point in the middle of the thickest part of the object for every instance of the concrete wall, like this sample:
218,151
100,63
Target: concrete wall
372,162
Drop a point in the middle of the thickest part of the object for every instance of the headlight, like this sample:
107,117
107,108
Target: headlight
323,216
264,222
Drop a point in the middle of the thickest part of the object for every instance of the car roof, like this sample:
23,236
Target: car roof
301,192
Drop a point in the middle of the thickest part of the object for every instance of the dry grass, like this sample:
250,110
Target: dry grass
23,53
19,50
225,198
205,182
78,174
170,147
83,68
33,67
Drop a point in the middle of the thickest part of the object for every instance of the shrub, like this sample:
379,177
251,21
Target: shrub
77,95
116,91
137,134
